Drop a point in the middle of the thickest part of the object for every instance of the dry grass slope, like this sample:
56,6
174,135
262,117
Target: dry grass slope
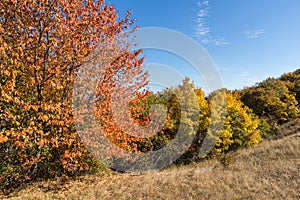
269,171
290,128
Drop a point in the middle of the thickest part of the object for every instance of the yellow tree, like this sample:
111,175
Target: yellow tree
241,127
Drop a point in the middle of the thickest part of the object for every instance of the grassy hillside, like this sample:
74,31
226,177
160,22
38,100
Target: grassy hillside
269,171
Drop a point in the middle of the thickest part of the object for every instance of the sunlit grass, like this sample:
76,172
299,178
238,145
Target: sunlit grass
269,171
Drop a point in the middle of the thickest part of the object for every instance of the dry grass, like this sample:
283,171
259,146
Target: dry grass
269,171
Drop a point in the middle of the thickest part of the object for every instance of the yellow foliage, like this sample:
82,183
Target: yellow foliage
241,126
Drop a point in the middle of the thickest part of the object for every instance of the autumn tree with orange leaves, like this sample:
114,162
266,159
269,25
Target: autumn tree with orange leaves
43,45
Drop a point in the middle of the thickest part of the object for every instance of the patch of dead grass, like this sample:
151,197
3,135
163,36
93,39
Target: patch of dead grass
269,171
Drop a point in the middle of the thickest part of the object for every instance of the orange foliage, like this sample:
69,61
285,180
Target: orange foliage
43,44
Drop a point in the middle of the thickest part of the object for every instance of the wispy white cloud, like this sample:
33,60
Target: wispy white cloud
202,29
254,33
206,3
220,41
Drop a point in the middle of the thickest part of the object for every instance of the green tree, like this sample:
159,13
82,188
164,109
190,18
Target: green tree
292,80
272,99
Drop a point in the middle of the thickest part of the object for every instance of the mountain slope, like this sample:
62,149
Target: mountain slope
269,171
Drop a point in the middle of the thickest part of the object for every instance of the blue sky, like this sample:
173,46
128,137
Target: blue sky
249,40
